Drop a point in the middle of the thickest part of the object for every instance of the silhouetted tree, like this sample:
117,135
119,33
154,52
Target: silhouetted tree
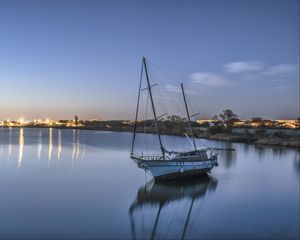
76,120
217,121
215,117
257,119
175,118
228,117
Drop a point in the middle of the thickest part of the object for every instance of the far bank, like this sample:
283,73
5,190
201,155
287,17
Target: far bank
267,137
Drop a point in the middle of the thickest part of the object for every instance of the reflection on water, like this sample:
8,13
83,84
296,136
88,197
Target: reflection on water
76,147
165,198
59,144
228,157
261,151
21,147
40,145
50,145
9,150
76,144
297,163
91,188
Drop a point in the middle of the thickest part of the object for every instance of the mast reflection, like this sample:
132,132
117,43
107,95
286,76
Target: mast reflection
159,195
21,147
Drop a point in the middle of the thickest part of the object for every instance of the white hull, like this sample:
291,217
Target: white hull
175,168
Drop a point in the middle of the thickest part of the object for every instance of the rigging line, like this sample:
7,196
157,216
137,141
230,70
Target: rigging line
188,100
137,110
146,139
173,99
146,113
169,95
143,116
176,142
153,110
204,144
164,73
190,103
161,101
188,116
171,78
139,123
159,93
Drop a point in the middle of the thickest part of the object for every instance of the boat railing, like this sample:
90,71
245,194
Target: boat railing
152,157
190,158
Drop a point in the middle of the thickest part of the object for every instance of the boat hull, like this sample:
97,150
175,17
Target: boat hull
163,170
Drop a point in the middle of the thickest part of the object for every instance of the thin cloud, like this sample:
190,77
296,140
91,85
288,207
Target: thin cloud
283,70
177,89
172,88
281,88
209,79
239,67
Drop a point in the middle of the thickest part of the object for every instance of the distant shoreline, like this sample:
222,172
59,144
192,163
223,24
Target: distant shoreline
263,140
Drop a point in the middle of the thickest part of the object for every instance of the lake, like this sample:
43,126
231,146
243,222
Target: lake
82,184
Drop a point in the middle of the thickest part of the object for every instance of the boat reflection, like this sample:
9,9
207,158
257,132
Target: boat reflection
155,195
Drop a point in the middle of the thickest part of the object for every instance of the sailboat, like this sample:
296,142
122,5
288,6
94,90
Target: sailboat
171,164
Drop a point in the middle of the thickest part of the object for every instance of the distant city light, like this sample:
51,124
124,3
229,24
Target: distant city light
289,124
21,121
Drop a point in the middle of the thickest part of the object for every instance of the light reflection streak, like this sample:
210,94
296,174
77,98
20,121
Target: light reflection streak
58,149
50,146
9,143
59,144
76,144
83,152
39,150
21,147
1,145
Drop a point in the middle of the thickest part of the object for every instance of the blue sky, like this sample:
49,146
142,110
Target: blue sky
60,58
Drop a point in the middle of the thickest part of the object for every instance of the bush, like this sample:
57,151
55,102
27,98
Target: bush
260,132
215,129
279,134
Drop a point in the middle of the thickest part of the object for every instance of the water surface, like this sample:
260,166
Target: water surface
82,184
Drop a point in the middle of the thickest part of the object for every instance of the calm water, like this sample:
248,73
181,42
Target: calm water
82,184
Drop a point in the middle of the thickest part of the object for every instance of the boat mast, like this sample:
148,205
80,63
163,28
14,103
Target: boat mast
153,108
188,115
137,110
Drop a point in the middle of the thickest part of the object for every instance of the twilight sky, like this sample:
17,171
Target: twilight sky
60,58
